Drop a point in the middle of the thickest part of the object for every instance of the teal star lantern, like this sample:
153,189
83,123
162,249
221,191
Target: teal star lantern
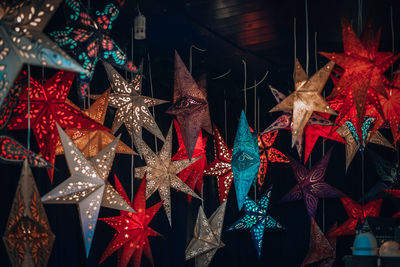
245,160
256,219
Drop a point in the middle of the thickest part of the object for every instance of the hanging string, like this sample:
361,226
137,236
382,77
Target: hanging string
222,75
359,19
225,120
132,33
126,71
245,83
152,96
132,169
255,128
258,113
191,55
362,178
294,47
29,109
392,29
307,41
257,84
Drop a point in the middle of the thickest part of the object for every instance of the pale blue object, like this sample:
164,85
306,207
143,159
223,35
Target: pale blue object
365,245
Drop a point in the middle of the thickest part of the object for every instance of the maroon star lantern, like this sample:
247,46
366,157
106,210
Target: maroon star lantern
320,248
131,238
311,185
48,106
221,166
356,212
192,175
396,193
268,154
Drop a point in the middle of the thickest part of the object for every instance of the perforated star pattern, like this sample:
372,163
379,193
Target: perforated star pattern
221,166
161,173
28,238
88,185
131,238
206,237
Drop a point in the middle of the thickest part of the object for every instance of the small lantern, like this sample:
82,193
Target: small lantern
140,27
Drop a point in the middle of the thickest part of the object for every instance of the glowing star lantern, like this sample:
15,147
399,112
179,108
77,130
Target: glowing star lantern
268,154
306,98
245,160
256,219
192,175
356,212
88,185
22,40
221,166
320,248
131,238
132,107
363,79
161,173
12,151
396,193
89,40
391,106
190,106
48,106
311,185
389,174
316,126
28,238
91,142
207,236
354,143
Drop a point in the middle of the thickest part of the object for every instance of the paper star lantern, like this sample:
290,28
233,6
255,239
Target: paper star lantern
12,151
320,248
256,219
207,236
306,98
47,107
91,142
88,185
316,126
363,65
190,106
131,238
88,39
356,212
22,40
245,160
389,174
132,107
161,173
268,154
192,175
396,193
391,106
28,238
354,143
221,166
311,185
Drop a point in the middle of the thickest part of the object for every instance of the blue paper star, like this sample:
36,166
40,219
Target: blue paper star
245,160
256,219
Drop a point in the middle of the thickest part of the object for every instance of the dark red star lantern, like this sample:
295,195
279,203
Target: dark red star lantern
363,79
221,166
192,175
268,154
48,106
356,212
396,193
131,238
391,106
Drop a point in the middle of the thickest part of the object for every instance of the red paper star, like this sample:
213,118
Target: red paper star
192,175
268,154
221,166
396,193
363,65
356,212
48,106
132,228
391,106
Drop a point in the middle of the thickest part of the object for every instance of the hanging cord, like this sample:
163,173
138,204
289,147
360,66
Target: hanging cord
126,71
152,96
258,113
362,178
294,47
225,120
132,169
132,33
255,128
307,41
191,56
222,75
257,84
245,84
360,16
29,109
392,29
